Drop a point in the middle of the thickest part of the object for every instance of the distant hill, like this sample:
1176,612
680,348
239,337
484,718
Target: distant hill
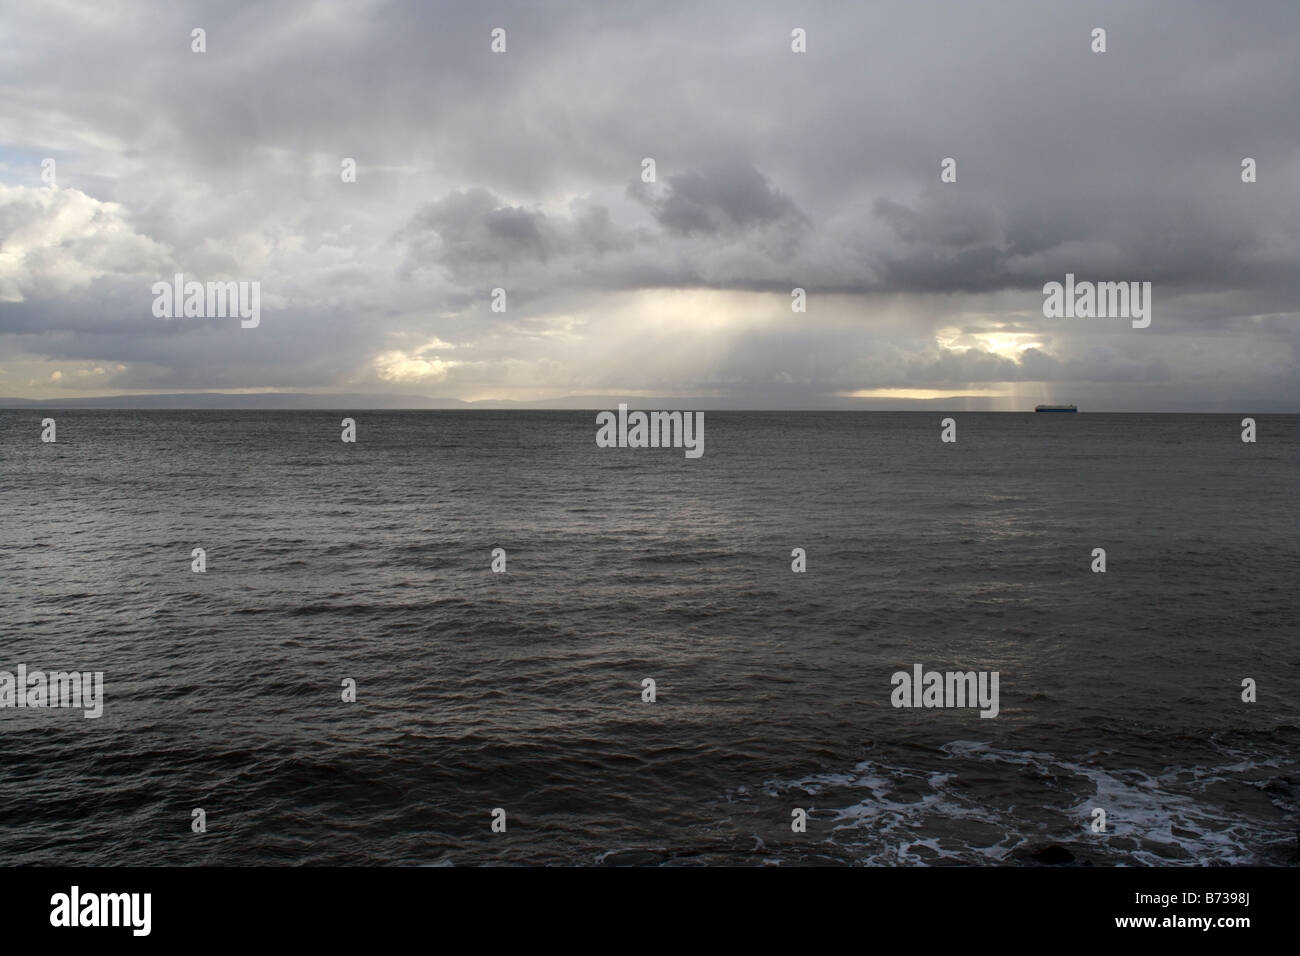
255,400
309,400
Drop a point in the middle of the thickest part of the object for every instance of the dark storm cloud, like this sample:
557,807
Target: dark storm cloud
474,226
730,206
723,197
477,237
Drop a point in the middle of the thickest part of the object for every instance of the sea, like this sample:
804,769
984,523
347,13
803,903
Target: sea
501,717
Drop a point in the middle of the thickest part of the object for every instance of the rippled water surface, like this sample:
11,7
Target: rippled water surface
522,690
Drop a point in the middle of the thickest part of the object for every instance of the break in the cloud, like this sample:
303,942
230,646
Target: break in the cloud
774,170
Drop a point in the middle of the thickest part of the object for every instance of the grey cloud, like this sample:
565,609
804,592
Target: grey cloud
720,198
477,236
818,170
473,226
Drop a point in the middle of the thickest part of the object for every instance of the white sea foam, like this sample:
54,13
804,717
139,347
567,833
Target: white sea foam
1161,819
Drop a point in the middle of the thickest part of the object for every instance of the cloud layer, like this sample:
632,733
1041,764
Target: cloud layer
774,170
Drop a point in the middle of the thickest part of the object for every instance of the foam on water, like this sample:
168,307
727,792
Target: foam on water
912,815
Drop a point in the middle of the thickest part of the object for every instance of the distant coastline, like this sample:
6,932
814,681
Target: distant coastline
328,401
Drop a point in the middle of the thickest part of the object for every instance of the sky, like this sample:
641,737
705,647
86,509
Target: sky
522,170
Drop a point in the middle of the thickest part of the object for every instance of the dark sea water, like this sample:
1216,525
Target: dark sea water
522,690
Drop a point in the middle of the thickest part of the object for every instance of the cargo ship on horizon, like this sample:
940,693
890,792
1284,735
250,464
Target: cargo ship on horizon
1056,408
